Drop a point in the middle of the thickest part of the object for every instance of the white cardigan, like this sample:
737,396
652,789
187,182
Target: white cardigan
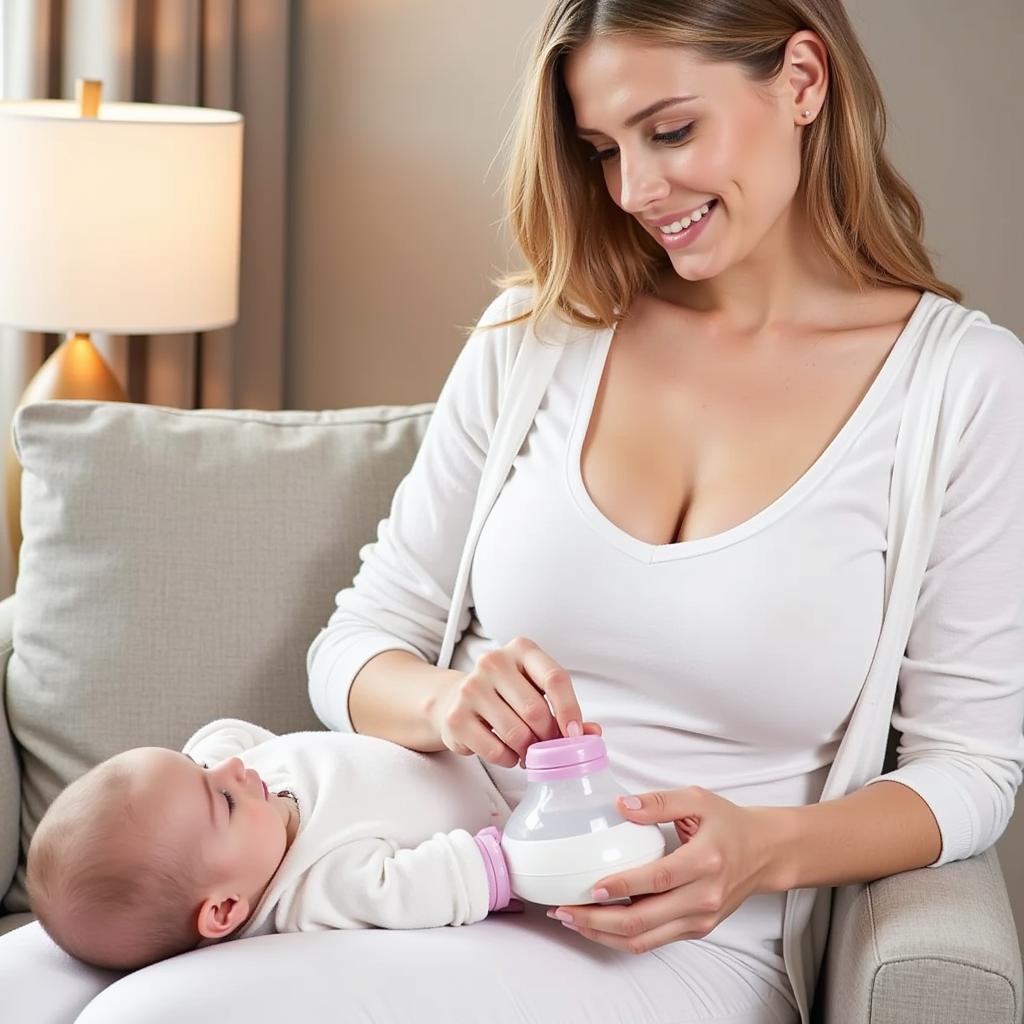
925,450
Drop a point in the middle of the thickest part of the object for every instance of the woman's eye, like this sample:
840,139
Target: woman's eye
669,137
230,799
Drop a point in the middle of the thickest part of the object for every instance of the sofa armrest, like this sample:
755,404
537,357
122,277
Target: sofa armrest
10,776
934,944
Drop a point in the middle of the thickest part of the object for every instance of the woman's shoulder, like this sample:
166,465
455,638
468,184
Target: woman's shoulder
494,343
508,304
988,353
987,371
520,301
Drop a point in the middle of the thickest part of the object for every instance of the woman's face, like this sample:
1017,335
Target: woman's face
732,145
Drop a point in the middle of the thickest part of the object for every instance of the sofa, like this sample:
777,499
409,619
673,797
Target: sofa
175,567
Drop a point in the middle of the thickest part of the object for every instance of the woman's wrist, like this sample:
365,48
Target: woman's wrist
499,887
392,697
779,829
436,698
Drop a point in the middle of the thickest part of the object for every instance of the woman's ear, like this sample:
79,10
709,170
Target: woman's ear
219,918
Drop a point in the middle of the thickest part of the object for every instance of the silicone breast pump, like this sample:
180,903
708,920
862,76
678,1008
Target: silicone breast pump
565,834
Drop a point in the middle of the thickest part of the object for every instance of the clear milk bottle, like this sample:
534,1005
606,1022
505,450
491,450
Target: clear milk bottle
565,834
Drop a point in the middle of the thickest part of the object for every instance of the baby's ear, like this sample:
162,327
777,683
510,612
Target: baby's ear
218,919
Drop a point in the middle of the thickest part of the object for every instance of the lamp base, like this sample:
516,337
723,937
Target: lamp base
75,370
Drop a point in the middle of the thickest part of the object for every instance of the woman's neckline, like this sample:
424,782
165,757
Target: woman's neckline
645,552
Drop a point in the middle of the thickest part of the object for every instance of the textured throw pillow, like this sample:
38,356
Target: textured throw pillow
175,568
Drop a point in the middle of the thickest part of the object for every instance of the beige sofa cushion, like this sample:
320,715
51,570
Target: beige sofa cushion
175,568
10,771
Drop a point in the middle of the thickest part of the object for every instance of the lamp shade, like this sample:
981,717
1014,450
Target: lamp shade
127,223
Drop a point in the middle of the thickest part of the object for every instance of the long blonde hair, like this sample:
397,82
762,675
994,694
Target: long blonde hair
586,258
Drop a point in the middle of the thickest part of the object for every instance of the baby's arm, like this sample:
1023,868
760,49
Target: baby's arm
453,878
227,737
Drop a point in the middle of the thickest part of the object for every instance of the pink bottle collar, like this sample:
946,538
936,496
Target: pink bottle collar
567,758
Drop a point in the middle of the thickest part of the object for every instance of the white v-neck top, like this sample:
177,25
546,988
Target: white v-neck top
591,374
730,662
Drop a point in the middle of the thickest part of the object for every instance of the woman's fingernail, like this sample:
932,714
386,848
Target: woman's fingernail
564,916
574,729
632,802
600,894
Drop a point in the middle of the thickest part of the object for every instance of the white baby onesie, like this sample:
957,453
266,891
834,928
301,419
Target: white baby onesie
385,834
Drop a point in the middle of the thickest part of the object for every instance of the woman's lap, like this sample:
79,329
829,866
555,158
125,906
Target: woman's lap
41,983
509,969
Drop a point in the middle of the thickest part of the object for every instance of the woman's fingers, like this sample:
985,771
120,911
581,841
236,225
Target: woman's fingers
553,681
510,726
467,718
688,826
475,737
527,706
515,696
483,692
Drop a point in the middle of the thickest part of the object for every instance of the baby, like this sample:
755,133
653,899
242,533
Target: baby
155,851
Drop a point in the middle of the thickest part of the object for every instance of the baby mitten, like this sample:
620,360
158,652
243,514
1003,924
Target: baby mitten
488,841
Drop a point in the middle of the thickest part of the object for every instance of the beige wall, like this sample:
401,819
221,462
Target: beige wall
953,81
400,106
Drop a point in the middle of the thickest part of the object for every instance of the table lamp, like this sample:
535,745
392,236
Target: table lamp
123,218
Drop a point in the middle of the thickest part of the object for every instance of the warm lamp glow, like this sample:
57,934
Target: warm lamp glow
80,358
126,223
123,218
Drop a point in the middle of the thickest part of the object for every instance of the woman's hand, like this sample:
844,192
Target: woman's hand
724,858
516,695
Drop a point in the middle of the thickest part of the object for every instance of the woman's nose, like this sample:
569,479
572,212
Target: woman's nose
640,185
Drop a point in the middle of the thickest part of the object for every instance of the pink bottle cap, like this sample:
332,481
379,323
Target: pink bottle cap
565,758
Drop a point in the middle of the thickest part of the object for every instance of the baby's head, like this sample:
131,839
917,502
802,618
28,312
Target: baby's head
149,852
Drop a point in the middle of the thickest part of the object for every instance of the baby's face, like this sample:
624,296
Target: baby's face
224,815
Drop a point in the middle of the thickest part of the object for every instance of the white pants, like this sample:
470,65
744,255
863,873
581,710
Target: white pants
508,969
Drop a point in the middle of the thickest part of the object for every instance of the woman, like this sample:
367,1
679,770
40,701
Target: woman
691,546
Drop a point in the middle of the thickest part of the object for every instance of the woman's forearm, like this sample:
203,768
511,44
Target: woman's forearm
393,697
874,832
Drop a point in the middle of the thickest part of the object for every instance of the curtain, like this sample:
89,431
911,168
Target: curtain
231,54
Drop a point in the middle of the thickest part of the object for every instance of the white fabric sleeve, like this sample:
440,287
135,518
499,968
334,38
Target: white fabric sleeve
224,738
400,598
372,883
960,701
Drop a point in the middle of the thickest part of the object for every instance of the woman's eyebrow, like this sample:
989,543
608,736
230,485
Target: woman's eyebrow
646,112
